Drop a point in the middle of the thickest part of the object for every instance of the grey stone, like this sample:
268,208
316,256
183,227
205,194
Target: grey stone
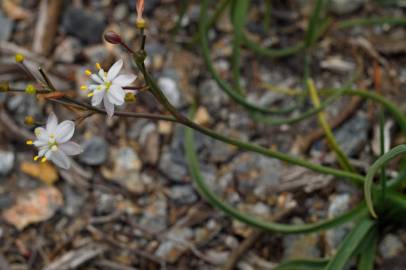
83,25
171,90
120,12
391,246
68,50
6,27
182,195
6,162
173,167
211,95
174,246
338,205
301,246
155,218
345,6
94,151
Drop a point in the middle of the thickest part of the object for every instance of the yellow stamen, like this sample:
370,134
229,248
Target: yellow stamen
36,158
43,159
90,94
29,120
29,142
83,87
19,58
37,131
98,66
88,72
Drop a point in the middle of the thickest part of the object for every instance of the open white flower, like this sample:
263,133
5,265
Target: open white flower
108,86
53,142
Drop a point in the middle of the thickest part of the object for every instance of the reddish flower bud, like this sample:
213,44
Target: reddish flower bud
113,37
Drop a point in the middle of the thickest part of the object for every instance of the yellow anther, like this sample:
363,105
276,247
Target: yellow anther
88,72
30,89
36,158
19,58
140,23
130,97
29,142
90,94
29,120
83,87
98,66
43,159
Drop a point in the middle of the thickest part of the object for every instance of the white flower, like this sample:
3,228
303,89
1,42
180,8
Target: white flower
53,142
108,86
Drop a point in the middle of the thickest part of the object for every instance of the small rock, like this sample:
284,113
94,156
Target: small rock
182,195
6,27
155,218
33,207
171,90
337,64
174,247
120,12
391,246
68,50
97,54
212,96
345,6
74,201
150,141
94,151
6,162
83,25
301,247
174,168
42,171
338,205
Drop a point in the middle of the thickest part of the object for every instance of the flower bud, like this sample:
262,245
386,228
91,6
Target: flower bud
130,97
29,120
30,89
140,23
113,37
4,87
19,57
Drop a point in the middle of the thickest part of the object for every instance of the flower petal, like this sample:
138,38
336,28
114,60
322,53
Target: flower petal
96,78
114,70
97,97
40,143
71,148
52,123
116,95
109,107
124,80
64,131
43,150
41,133
60,159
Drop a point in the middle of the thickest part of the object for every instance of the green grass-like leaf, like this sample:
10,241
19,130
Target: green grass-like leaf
350,244
383,160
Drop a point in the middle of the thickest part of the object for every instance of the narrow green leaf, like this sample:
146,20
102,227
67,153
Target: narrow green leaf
368,251
381,161
303,265
350,244
193,163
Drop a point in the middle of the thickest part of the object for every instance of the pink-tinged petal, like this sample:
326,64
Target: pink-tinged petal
124,80
64,131
96,79
114,70
60,159
109,107
97,97
71,148
116,95
52,123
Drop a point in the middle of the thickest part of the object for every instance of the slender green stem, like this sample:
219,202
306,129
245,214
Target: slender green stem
267,15
341,157
382,146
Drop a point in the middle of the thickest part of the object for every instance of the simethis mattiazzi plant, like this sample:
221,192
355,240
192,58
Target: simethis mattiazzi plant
384,200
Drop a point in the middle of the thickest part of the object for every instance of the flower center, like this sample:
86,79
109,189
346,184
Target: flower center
107,85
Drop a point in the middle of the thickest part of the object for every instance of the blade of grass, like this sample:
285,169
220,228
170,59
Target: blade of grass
381,161
368,251
350,244
341,157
